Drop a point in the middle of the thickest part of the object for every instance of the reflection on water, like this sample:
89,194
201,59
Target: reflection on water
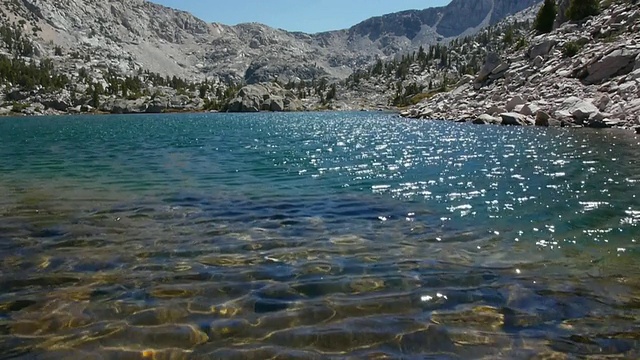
311,236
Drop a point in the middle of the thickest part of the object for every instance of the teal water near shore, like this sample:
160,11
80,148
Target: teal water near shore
315,235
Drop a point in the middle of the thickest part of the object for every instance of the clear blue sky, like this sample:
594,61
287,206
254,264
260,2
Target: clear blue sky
310,16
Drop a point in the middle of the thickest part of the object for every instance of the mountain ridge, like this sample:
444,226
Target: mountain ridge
140,34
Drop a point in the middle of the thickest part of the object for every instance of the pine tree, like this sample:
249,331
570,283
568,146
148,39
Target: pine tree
331,94
546,17
509,36
580,9
95,97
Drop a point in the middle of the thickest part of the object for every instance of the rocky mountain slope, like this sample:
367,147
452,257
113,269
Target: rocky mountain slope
584,73
137,34
416,75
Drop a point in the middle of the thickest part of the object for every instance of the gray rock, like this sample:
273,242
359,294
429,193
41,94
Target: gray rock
618,62
556,123
500,68
597,124
542,118
179,101
582,114
541,48
157,106
515,101
579,109
603,102
633,106
628,88
56,104
114,106
267,96
492,61
266,105
538,61
494,110
598,116
123,106
249,107
614,122
277,104
486,119
529,109
293,104
513,119
466,79
240,104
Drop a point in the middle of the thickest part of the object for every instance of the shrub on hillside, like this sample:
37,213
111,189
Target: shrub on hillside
546,17
572,48
580,9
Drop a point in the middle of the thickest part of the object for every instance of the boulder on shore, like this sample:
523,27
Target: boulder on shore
542,118
579,109
486,119
513,119
491,63
618,62
264,97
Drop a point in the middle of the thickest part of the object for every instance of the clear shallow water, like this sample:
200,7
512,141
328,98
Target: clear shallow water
332,235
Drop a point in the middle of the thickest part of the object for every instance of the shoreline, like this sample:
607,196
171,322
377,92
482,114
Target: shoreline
102,113
515,119
404,113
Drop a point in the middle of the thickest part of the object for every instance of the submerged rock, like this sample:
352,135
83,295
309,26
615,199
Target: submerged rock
433,339
479,317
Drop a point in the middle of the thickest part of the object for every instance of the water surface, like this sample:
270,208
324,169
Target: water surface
313,236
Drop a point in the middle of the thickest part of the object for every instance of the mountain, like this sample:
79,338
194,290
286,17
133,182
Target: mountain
584,73
130,35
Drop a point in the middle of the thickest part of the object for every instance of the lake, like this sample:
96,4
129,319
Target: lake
315,236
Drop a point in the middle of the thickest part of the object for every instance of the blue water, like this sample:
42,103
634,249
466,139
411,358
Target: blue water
315,235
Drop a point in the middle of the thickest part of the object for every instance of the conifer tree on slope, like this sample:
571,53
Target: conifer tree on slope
546,16
580,9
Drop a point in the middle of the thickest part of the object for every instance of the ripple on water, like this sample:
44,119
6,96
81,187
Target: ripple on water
313,236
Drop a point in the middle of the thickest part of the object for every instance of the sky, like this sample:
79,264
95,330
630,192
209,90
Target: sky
309,16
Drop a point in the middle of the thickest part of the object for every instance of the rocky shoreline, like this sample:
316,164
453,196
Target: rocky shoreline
271,97
547,84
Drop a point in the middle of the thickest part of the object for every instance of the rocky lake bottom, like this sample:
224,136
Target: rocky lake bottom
314,236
